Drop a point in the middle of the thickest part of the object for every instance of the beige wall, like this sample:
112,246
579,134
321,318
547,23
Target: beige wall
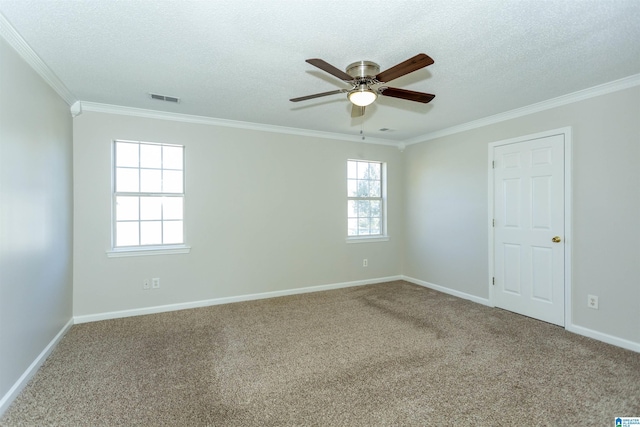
35,216
447,211
264,212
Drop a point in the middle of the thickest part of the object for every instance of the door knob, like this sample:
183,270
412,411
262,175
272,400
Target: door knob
556,239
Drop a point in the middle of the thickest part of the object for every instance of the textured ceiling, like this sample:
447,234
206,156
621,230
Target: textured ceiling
243,60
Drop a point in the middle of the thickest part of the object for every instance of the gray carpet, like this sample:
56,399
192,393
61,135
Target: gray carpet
379,355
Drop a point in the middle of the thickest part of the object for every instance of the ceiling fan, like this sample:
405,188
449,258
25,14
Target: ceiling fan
364,76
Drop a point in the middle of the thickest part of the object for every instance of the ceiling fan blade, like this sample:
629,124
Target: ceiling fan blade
421,60
357,111
325,66
409,95
317,95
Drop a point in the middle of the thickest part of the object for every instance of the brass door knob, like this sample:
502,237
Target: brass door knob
556,239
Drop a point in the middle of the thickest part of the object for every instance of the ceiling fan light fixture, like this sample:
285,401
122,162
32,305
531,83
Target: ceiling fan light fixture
362,96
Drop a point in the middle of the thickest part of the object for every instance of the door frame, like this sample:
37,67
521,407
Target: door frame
568,241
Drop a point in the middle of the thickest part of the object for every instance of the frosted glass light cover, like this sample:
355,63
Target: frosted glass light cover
362,98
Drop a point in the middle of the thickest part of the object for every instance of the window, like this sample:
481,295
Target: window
365,198
148,195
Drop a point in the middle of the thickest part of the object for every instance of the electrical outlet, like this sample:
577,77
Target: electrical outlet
155,282
365,262
146,284
592,301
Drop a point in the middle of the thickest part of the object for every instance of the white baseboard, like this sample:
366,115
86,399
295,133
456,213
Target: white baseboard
226,300
600,336
13,392
463,295
580,330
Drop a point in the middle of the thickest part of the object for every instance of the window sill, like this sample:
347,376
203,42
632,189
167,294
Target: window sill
152,250
367,239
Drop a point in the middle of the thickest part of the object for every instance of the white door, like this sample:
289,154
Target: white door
529,212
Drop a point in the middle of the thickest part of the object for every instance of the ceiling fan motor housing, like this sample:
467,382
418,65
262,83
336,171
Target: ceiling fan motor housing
363,70
363,73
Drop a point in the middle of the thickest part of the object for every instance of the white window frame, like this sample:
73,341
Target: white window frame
382,236
141,249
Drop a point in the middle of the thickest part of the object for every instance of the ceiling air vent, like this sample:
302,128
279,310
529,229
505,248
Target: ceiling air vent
164,98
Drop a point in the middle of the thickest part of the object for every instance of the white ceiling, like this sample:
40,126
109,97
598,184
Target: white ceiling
243,60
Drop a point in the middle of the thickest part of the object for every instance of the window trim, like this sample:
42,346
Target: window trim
142,250
367,239
148,250
384,235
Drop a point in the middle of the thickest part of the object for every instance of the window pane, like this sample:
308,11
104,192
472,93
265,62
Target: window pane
351,209
375,226
363,189
127,234
364,182
374,189
126,208
352,188
150,208
150,181
172,182
363,208
374,171
173,232
126,154
363,167
150,156
363,226
127,180
172,208
146,171
352,227
172,158
151,233
352,169
374,208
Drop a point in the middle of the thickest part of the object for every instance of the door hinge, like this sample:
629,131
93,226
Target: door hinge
494,222
493,281
493,164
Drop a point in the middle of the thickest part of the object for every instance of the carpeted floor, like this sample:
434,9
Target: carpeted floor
379,355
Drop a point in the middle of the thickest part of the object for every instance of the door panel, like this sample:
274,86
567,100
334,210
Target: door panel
542,274
541,211
529,212
512,202
512,269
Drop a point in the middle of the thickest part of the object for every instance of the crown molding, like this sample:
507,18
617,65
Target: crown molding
603,89
16,41
82,106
